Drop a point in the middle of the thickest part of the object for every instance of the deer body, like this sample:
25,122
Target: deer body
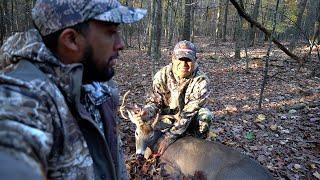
188,156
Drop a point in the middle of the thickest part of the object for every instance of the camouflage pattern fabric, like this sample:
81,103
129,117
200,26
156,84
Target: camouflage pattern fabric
186,98
52,15
41,115
185,49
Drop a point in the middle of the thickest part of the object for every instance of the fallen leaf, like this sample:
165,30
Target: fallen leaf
261,158
313,166
297,166
273,127
230,108
212,135
316,174
292,111
285,131
260,118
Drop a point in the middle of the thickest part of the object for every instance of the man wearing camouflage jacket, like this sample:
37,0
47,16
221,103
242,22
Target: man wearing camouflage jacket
58,102
180,89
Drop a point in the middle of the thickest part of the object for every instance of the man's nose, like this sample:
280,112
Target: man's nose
119,45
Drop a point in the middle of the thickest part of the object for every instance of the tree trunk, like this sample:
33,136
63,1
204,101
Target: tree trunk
151,26
254,15
300,7
170,26
165,19
27,15
238,30
218,22
2,24
224,38
266,68
213,24
187,18
310,18
12,29
157,28
125,31
192,21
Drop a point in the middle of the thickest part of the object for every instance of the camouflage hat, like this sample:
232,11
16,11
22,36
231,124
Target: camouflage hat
185,49
52,15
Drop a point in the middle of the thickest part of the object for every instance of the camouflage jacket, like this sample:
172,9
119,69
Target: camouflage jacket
182,97
42,120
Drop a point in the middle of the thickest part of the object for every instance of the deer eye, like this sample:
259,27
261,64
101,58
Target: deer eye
136,133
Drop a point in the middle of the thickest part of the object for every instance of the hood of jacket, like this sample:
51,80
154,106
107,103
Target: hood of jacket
29,46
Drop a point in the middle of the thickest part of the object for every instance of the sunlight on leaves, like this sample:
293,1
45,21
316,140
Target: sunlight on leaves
273,127
260,118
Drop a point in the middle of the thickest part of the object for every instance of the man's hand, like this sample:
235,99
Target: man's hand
163,145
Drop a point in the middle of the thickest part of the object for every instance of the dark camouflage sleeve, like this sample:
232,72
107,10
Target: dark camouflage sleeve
156,100
195,100
25,127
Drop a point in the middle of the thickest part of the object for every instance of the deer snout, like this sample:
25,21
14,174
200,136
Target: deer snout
139,152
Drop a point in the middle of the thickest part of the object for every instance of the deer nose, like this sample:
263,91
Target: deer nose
139,156
139,151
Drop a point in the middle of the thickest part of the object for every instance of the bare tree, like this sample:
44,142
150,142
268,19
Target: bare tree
266,67
2,24
225,20
266,32
187,19
238,30
156,35
310,18
300,7
254,15
218,33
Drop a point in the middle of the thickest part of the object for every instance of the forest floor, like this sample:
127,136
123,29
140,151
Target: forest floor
283,136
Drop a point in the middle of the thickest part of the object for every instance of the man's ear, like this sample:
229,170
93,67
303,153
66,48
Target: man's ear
70,40
71,45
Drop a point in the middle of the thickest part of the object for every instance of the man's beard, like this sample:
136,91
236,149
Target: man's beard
90,70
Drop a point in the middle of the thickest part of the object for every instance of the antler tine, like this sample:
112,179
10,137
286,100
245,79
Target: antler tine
122,107
156,120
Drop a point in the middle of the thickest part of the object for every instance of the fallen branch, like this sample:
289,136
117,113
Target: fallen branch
243,14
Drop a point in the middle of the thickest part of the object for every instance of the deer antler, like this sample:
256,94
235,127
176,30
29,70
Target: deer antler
156,120
122,107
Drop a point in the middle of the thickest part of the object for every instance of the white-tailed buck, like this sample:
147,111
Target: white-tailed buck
189,156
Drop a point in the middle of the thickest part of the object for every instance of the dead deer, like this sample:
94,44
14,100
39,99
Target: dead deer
188,156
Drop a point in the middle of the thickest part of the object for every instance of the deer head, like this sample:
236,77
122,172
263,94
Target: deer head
145,135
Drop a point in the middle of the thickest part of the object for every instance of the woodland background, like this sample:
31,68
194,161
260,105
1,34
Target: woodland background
262,59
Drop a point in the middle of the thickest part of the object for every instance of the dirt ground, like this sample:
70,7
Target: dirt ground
283,136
